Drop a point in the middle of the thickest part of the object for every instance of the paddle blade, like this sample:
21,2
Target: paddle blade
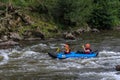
58,50
83,46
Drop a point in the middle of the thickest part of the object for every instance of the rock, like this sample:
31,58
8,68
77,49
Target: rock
118,67
1,58
8,43
15,36
10,7
1,40
95,30
2,4
18,21
2,29
24,18
8,16
33,34
15,55
12,23
88,29
4,38
78,31
27,19
69,36
32,39
117,28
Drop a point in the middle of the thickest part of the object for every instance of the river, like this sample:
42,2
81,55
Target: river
31,61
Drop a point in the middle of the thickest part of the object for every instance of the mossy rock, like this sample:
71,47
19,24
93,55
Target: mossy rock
1,58
15,55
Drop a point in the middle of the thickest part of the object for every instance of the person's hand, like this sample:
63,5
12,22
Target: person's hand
82,46
58,49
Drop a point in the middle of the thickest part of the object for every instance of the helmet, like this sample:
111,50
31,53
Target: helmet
87,45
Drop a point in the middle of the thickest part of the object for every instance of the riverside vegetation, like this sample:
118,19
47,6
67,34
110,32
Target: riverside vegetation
40,19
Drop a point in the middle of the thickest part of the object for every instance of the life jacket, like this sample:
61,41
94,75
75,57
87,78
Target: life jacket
67,50
87,50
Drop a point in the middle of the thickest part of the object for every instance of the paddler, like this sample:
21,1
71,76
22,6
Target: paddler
87,48
67,49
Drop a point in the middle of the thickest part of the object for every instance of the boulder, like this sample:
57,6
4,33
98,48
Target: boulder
68,36
33,34
27,19
117,28
118,68
1,40
95,30
8,43
15,36
4,38
78,32
88,29
1,58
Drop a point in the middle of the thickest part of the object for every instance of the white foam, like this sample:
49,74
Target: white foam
41,45
4,53
109,53
28,53
102,75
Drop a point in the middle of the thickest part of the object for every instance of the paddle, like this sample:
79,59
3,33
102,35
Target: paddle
83,47
81,51
58,49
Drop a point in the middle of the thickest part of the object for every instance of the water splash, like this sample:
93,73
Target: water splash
102,75
4,53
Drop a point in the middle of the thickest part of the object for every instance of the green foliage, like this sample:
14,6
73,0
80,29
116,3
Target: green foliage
101,17
21,3
71,13
104,15
81,12
101,14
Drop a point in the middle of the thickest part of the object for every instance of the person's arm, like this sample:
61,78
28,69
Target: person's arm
83,47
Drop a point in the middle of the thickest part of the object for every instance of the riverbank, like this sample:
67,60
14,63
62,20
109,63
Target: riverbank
17,24
84,36
22,23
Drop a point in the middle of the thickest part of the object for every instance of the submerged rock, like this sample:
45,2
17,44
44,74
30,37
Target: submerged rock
118,67
1,58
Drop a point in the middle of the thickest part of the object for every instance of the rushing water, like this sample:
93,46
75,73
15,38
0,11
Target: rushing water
31,62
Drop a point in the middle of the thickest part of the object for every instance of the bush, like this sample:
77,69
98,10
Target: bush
104,15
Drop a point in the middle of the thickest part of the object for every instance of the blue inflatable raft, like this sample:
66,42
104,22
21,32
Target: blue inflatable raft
73,54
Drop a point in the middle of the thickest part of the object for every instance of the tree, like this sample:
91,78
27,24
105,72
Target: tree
70,12
104,15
